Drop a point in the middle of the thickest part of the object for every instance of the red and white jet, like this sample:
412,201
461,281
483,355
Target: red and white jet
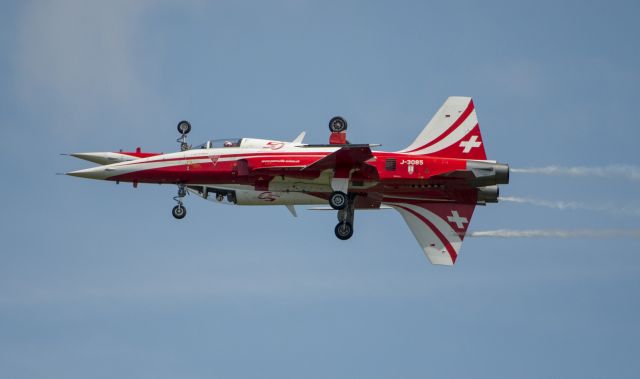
435,183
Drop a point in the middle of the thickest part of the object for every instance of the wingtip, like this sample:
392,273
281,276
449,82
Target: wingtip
299,138
292,210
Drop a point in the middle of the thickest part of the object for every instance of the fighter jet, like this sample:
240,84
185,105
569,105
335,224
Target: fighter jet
435,183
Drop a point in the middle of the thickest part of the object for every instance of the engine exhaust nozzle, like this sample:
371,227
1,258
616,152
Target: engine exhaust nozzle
488,194
502,173
486,173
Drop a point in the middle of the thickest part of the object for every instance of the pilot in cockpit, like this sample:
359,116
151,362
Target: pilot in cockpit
228,144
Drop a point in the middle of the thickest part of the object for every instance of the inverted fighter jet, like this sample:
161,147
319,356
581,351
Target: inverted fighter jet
435,183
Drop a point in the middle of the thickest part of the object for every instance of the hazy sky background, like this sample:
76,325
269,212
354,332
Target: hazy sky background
99,281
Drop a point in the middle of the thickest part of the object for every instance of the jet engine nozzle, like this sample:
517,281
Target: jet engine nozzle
502,173
487,173
488,194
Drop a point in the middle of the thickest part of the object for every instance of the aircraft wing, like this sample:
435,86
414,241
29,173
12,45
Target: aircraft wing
438,227
349,155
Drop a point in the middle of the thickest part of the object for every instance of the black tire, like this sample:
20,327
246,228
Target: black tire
337,124
179,211
184,127
344,230
338,200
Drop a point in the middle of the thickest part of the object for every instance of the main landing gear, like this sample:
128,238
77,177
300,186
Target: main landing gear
344,229
184,127
337,124
338,200
179,211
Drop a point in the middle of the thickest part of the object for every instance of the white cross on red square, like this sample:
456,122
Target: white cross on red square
470,144
456,219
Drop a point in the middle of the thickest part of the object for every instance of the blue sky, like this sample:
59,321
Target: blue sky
98,280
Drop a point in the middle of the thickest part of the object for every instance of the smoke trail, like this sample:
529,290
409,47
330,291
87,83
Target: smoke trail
620,171
558,233
575,205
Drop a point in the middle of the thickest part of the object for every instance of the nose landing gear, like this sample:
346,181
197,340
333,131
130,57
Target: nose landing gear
180,211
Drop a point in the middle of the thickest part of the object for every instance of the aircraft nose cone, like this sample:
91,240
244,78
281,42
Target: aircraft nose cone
99,158
103,158
91,173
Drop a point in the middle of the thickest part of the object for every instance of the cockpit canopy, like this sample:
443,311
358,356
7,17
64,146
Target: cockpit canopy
217,143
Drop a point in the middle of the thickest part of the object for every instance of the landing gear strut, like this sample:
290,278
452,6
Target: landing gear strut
344,229
179,211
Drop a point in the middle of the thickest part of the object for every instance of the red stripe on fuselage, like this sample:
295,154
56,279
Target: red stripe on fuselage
244,155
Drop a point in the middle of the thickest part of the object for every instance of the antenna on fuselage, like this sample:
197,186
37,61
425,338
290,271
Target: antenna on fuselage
184,127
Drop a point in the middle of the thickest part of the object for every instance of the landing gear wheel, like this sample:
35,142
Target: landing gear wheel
184,127
337,124
338,200
179,211
344,230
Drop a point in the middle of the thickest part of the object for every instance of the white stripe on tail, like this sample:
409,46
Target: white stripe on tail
439,228
453,132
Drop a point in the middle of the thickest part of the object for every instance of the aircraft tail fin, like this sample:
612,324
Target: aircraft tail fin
453,132
439,228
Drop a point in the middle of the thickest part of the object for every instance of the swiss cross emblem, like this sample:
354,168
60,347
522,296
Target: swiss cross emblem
471,143
410,169
456,219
